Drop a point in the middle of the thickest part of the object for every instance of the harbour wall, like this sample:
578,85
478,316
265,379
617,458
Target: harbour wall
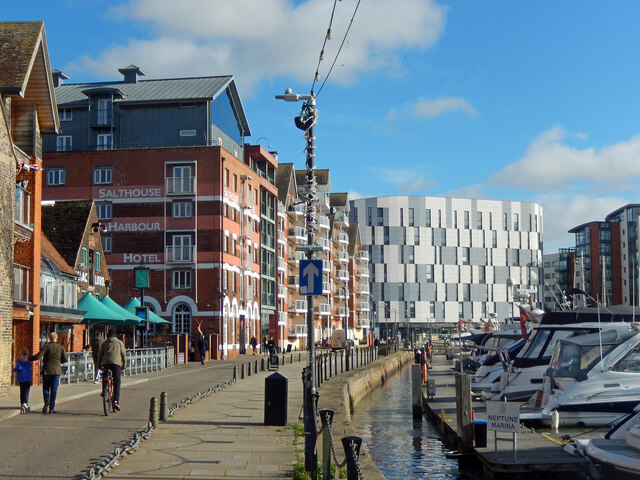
343,392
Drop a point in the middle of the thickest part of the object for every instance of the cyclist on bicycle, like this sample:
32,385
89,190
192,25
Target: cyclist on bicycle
112,356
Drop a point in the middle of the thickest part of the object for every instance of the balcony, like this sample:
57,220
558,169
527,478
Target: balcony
363,290
363,272
324,243
297,209
293,281
362,307
282,265
298,306
342,238
282,291
342,257
341,293
282,319
326,288
323,222
20,283
180,186
180,254
297,234
363,255
322,309
344,275
341,312
342,218
326,266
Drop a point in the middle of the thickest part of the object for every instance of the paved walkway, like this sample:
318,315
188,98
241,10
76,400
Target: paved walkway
222,436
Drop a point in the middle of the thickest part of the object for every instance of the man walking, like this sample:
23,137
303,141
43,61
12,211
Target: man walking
203,346
113,356
52,356
96,343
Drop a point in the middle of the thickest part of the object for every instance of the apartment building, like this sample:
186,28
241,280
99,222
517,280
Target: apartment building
435,260
179,194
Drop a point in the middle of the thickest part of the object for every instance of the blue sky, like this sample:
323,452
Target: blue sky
524,101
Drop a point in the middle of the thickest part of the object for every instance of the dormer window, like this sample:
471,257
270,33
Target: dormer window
105,111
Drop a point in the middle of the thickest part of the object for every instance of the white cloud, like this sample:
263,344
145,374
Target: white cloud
406,180
440,106
258,39
551,164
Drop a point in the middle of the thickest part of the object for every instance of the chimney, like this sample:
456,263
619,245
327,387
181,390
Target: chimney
131,73
58,77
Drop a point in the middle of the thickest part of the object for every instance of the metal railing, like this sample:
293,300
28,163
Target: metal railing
80,367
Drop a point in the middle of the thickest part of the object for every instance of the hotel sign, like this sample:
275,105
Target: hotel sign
134,192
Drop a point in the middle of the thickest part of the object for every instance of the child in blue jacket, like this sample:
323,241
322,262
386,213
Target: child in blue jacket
24,367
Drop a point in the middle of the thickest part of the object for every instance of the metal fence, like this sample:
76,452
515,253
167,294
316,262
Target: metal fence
80,368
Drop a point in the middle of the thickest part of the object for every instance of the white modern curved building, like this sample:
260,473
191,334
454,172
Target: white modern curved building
435,260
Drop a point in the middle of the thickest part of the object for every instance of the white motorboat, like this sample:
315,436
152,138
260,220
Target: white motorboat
524,376
593,380
619,450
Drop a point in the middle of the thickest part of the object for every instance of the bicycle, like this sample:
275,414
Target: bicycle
107,391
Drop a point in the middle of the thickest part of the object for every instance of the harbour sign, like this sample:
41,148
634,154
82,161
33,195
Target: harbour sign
503,416
310,277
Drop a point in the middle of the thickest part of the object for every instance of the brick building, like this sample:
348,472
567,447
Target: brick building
179,193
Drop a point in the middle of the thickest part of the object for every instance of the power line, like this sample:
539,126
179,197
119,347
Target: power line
328,37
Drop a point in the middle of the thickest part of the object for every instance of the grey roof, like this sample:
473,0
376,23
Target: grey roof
354,238
284,180
322,176
338,199
158,91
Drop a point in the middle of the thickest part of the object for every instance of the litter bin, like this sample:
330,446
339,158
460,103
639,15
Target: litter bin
275,399
480,433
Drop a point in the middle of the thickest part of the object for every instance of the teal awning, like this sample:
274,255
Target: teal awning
100,314
131,305
109,302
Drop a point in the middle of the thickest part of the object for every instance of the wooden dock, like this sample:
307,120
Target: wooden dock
537,456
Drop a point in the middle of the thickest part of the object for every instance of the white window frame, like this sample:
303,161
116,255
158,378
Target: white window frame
182,244
182,209
56,175
182,175
65,115
107,243
181,279
64,143
104,141
104,210
102,175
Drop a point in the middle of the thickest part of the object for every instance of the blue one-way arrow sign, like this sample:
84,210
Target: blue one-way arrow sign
310,277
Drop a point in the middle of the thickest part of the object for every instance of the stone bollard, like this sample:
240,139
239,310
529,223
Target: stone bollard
164,407
153,412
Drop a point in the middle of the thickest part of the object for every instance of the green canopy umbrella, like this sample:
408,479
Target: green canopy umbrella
109,302
100,314
131,305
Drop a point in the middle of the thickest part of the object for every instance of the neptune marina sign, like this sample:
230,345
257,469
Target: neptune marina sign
503,416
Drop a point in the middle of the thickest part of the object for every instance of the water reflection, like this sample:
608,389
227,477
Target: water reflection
403,448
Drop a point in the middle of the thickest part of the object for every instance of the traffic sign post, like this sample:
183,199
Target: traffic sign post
310,277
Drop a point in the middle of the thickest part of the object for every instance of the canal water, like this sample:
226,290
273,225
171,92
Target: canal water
403,448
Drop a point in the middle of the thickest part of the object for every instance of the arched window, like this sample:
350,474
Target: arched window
182,318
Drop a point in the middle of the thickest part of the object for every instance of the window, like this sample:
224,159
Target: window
83,257
235,182
182,179
64,114
55,176
98,262
102,175
182,318
479,220
465,255
181,208
105,111
187,133
226,177
181,279
411,217
466,219
23,201
107,245
429,273
105,141
505,221
104,210
428,217
516,221
182,249
63,143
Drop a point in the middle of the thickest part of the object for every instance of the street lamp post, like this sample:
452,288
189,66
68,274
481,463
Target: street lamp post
306,122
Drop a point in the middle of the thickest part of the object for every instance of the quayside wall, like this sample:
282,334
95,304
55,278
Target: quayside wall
343,392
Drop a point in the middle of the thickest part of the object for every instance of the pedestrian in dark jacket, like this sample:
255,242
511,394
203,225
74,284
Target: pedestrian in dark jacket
254,344
96,343
52,356
113,356
203,346
24,369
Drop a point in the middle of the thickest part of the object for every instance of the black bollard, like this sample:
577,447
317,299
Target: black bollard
241,371
261,364
164,407
326,416
235,372
352,452
153,412
249,369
